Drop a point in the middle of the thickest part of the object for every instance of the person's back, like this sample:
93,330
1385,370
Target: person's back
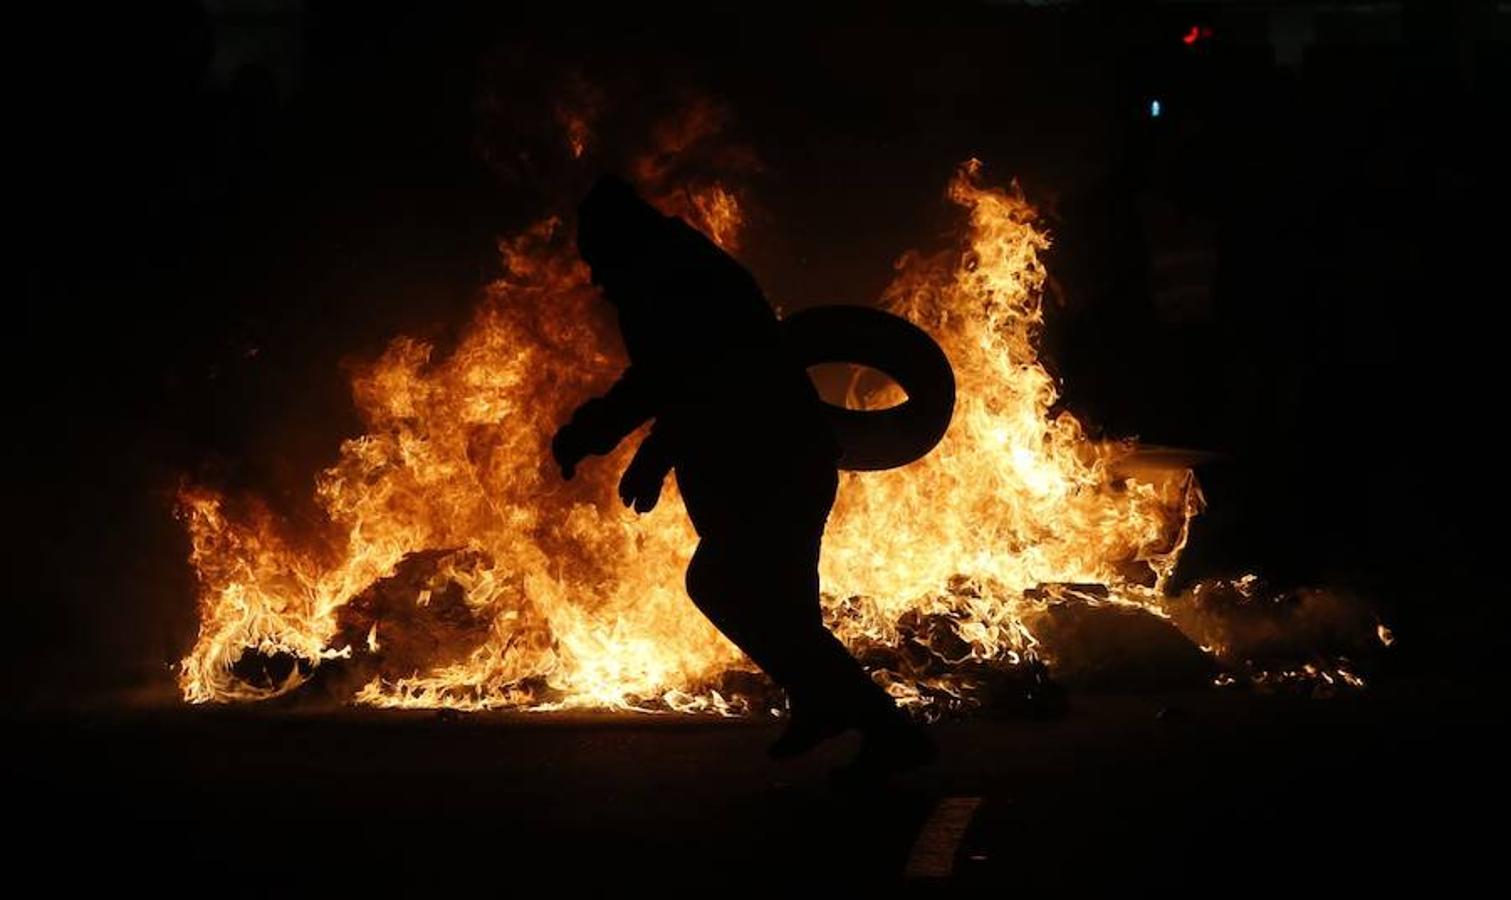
701,334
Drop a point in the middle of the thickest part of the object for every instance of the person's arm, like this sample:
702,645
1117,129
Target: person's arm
601,423
641,485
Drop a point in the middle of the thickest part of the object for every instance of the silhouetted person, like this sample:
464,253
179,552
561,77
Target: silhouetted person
742,425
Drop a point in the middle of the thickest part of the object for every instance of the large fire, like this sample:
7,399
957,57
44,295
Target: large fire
457,569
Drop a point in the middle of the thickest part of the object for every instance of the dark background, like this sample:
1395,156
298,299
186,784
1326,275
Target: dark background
1297,264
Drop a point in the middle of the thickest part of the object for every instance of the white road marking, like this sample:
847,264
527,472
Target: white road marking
933,854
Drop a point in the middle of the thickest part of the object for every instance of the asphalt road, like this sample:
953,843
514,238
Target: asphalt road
1214,792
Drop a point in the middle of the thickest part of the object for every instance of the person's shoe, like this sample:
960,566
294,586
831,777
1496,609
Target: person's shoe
802,734
884,754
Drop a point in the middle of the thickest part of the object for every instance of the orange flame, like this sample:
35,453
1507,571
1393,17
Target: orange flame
565,599
463,573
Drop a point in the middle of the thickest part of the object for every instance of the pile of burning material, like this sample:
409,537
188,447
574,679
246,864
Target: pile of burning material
1308,640
1097,642
926,663
454,569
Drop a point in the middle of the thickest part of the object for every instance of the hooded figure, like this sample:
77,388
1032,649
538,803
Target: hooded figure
738,419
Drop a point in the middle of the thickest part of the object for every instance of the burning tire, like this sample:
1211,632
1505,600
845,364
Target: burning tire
871,440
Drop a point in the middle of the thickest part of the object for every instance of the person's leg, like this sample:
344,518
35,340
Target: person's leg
763,595
723,586
756,578
752,598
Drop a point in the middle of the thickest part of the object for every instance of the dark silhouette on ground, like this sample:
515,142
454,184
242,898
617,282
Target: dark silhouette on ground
741,423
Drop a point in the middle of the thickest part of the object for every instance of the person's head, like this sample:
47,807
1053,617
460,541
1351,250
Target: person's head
616,231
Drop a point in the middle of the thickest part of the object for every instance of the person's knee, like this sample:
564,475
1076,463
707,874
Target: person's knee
707,575
699,582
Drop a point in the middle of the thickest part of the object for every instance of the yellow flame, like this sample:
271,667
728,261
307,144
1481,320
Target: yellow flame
579,603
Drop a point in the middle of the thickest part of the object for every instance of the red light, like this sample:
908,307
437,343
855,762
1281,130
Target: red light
1197,33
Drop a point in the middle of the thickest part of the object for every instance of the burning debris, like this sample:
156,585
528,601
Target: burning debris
1096,642
1304,639
454,571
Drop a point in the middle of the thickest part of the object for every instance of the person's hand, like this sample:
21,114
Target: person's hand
568,449
640,485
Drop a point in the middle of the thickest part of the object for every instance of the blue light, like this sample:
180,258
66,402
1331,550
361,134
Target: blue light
1154,109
